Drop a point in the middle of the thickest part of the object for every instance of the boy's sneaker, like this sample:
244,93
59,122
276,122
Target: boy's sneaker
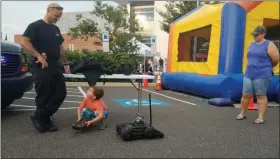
101,126
80,125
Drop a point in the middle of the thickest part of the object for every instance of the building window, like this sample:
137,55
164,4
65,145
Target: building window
71,47
141,10
145,16
193,46
146,40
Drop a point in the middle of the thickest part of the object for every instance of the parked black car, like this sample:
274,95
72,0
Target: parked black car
15,76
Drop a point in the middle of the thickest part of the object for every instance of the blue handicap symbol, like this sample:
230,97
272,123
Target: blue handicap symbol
105,36
145,102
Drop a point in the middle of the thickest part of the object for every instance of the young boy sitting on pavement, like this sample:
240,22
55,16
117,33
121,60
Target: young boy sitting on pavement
93,110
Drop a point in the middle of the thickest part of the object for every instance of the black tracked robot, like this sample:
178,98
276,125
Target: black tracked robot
139,129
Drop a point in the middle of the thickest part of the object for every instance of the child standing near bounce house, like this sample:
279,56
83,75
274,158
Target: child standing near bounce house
93,110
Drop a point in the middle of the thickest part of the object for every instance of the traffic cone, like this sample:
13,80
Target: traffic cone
158,84
252,105
146,82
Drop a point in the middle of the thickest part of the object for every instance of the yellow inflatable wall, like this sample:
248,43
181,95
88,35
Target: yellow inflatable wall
207,15
211,15
255,18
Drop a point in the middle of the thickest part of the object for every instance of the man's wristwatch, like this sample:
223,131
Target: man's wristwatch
65,64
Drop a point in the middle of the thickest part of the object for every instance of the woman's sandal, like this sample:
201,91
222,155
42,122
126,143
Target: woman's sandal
240,117
258,121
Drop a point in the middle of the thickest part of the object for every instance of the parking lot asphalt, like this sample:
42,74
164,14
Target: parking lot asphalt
192,128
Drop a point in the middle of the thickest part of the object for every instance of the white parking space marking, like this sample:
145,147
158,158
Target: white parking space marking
17,110
32,108
73,89
75,96
71,92
70,95
169,97
70,89
82,91
18,105
75,92
67,101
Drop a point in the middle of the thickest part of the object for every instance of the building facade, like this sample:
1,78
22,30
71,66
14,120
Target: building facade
149,19
146,14
91,44
67,21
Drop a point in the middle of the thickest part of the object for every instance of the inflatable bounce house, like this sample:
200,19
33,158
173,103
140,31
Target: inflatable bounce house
207,54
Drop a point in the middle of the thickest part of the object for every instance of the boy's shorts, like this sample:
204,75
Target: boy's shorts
258,86
88,113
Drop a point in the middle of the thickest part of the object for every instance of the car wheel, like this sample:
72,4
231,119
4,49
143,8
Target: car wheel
5,102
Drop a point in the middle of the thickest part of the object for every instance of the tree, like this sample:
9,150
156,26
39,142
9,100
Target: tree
174,10
121,25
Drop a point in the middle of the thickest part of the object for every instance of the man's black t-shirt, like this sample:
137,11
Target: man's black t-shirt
45,38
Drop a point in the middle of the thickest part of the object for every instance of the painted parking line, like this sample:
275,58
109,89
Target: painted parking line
68,95
189,96
82,91
169,97
75,92
27,106
74,96
19,105
78,92
18,110
67,101
73,89
31,107
70,89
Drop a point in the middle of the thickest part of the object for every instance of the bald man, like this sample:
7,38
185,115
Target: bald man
43,40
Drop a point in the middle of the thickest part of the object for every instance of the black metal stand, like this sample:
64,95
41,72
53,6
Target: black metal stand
139,92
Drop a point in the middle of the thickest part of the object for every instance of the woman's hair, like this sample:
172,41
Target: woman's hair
98,92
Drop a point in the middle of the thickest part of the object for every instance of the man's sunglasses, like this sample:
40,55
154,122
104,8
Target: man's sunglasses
59,8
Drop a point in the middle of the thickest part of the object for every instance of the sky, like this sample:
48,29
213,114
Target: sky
16,15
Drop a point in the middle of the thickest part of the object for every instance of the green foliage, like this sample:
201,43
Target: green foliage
84,29
121,26
112,61
174,10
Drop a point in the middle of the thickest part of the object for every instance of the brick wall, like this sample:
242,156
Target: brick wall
92,43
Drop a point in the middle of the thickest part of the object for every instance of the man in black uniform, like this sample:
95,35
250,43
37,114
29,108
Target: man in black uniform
43,40
160,61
